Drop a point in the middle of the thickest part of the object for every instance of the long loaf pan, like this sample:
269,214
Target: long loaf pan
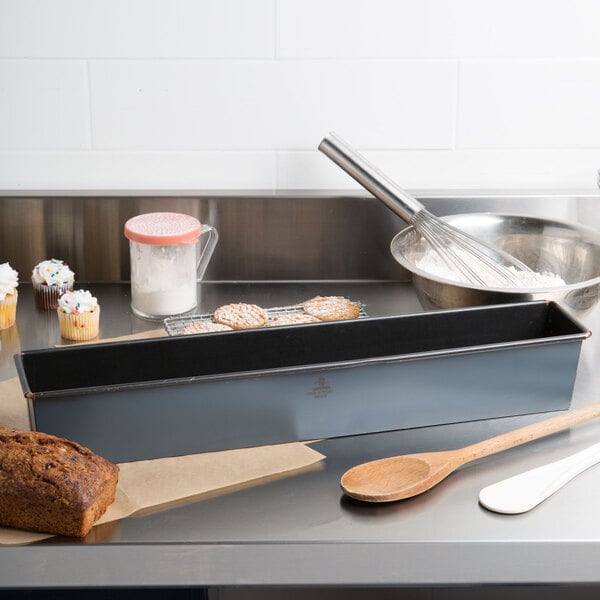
180,395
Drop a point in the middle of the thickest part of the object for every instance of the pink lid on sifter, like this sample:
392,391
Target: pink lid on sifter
163,229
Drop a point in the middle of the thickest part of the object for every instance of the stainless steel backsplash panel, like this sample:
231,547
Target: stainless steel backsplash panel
263,235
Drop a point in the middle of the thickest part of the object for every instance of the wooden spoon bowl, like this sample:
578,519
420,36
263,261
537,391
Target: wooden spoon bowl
399,477
396,477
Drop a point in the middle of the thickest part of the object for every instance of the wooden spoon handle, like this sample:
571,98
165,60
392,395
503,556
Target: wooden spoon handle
530,432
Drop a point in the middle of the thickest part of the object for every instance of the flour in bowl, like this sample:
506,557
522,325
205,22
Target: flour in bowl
432,263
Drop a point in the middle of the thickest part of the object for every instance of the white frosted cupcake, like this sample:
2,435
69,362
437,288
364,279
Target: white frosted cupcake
51,278
9,280
78,315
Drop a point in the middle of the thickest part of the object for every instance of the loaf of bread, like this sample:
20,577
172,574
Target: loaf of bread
52,485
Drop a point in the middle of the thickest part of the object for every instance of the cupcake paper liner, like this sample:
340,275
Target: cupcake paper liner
8,310
46,296
79,327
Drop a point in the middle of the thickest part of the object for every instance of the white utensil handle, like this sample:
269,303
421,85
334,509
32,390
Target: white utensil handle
523,492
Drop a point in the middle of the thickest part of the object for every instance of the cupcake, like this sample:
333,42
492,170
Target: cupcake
9,280
51,279
78,315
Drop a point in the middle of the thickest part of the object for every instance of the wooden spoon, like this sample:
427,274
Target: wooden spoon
399,477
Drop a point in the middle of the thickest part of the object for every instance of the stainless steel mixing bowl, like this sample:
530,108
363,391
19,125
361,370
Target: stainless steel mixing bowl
567,249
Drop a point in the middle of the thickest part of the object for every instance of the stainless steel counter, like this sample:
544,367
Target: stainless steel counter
301,530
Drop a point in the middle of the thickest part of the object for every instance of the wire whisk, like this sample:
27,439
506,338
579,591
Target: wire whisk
469,258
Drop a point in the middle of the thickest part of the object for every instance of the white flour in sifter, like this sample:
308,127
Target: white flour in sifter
163,279
434,264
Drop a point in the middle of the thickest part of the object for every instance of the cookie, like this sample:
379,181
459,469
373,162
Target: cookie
205,327
331,308
293,319
240,316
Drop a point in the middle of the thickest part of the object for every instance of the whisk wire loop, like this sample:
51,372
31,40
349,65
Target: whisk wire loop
475,261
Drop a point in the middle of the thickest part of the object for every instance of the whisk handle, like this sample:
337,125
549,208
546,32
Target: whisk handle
373,180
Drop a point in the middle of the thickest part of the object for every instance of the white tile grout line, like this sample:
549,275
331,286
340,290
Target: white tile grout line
90,135
275,36
456,106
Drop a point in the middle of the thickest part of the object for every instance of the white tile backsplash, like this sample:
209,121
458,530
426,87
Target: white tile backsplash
529,104
235,94
447,169
137,29
271,105
137,170
438,28
43,105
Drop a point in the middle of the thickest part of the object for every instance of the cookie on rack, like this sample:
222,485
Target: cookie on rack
331,308
205,326
240,316
293,319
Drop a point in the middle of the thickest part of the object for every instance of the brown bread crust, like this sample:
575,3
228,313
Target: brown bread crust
52,485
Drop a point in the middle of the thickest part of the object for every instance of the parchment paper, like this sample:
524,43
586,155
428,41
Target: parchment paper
145,486
142,335
149,485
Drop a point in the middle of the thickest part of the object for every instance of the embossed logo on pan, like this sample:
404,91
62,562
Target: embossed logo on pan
321,388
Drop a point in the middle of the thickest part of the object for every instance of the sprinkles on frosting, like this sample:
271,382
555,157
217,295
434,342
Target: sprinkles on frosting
52,272
77,301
